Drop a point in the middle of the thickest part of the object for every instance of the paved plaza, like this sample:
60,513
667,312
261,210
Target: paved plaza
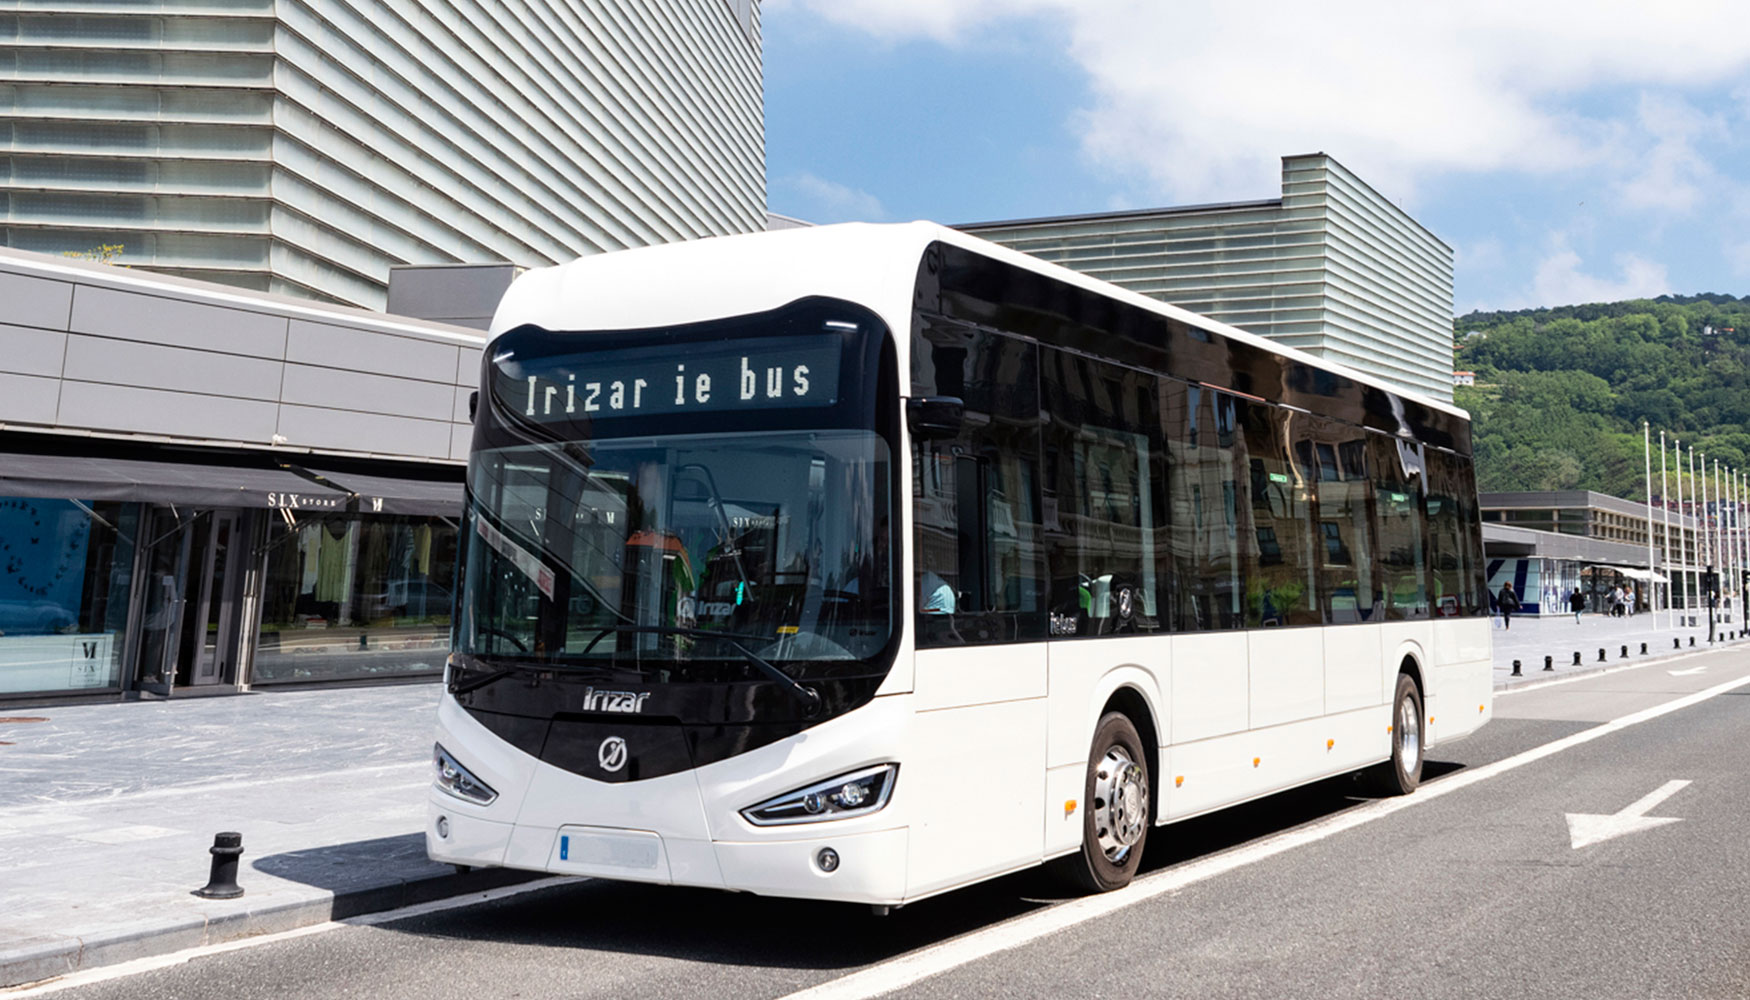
110,808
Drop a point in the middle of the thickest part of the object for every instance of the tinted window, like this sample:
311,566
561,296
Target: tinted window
1350,586
1284,585
1397,484
1103,504
980,555
1456,575
1208,477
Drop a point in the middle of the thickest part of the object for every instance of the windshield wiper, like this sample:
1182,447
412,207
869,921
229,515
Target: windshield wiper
500,673
809,697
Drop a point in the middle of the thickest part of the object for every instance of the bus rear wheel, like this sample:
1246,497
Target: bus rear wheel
1401,774
1115,810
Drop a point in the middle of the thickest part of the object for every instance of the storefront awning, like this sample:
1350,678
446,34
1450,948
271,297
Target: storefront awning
395,495
84,477
1636,573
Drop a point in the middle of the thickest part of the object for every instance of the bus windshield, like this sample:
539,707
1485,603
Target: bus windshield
633,553
709,502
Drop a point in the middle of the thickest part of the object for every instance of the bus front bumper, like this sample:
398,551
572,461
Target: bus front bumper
861,867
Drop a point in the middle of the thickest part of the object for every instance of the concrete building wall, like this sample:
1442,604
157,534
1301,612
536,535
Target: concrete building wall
1331,267
305,146
91,349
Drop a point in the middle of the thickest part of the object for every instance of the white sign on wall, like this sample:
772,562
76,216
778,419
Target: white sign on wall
56,662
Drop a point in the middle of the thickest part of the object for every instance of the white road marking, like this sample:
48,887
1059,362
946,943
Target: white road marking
1586,829
139,965
1686,673
919,965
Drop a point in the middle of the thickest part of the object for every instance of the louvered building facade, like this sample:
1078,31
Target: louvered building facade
306,146
1331,267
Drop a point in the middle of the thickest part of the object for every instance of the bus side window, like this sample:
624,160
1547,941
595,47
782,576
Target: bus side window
1398,485
979,555
1349,589
1104,509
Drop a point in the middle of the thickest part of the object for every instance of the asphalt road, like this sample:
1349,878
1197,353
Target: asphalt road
1471,888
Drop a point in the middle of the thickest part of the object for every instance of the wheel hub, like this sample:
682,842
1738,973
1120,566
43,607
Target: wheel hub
1120,804
1409,735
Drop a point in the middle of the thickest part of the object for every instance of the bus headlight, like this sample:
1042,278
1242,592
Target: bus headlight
458,780
856,794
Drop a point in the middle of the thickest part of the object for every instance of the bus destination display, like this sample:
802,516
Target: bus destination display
763,373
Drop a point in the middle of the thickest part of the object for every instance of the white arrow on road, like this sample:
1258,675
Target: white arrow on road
1686,673
1585,829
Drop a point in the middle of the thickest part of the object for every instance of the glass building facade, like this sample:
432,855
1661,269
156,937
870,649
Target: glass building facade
305,146
1331,268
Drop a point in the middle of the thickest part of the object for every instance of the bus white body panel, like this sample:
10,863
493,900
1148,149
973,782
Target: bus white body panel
992,741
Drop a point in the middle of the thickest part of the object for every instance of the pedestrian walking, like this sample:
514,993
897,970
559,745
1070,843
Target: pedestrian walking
1577,604
1509,603
1628,599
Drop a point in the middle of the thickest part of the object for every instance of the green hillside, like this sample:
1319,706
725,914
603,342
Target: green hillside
1561,393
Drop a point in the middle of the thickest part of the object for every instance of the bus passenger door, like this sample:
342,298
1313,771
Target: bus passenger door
974,779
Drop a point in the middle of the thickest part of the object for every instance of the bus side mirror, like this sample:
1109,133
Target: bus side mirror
931,418
473,404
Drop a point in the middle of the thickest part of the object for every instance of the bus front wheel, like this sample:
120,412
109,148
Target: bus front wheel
1115,810
1401,774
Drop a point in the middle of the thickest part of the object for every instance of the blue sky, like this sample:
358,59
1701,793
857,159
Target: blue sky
1568,151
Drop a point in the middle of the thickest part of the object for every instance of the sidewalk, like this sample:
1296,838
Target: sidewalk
1529,640
107,811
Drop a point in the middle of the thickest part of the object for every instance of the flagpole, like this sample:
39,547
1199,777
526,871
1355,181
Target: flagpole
1682,541
1665,502
1693,492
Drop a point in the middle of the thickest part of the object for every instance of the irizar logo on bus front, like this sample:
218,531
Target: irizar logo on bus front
614,701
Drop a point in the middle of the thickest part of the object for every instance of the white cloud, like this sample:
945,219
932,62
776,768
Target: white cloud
1200,101
818,200
1738,255
1672,172
1560,281
1483,255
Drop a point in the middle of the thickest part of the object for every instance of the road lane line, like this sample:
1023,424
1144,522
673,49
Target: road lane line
137,966
917,966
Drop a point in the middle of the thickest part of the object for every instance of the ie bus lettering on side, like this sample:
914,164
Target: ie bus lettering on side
770,373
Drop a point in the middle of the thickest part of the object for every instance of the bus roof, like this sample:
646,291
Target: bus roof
874,265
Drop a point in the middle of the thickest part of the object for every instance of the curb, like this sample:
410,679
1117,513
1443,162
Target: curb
50,956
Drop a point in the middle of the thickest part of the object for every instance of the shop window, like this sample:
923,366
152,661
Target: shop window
351,597
66,569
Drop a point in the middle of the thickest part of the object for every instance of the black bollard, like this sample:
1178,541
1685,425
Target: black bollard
1624,654
1549,663
1516,672
1676,643
1643,649
1576,657
222,884
1600,654
1692,640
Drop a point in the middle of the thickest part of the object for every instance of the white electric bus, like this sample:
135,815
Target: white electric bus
864,562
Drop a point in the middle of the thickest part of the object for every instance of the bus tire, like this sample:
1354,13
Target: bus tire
1403,772
1116,812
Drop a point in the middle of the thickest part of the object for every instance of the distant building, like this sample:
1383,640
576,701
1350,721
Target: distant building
1331,267
1547,543
306,146
1464,378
